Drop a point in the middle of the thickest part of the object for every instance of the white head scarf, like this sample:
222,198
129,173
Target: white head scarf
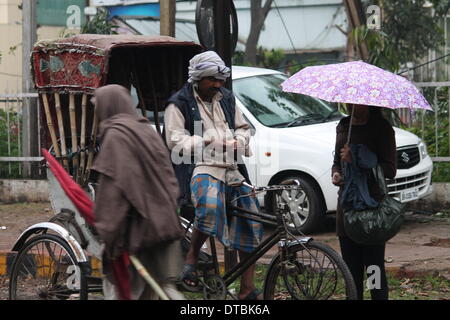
207,64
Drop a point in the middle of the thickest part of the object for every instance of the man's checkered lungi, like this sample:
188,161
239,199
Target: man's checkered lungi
208,197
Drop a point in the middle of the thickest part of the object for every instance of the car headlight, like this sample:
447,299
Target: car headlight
423,149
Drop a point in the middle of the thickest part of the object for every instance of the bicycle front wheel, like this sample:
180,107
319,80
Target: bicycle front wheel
46,269
311,271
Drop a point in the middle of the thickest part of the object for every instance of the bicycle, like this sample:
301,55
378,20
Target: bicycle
303,269
51,262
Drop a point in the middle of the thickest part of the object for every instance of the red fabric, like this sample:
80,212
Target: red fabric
120,274
75,193
86,208
69,76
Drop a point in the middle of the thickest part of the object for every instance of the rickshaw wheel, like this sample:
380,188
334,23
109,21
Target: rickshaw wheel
46,269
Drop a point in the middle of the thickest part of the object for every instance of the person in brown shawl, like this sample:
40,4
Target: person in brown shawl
136,198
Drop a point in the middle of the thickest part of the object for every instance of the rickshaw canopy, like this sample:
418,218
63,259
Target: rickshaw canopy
81,63
67,71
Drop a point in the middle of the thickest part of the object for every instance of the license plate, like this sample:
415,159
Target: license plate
409,195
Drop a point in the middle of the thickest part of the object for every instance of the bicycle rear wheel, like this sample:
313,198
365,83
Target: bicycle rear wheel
312,271
46,269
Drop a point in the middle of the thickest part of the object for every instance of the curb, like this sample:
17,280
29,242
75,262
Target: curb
7,259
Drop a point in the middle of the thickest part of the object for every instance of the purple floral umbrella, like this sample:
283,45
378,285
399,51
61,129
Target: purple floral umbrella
356,82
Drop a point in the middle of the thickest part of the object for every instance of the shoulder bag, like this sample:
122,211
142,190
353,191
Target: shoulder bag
375,225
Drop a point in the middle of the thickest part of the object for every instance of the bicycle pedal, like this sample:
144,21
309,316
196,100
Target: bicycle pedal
288,265
184,287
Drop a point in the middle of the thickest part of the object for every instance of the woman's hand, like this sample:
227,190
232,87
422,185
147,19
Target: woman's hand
336,179
346,154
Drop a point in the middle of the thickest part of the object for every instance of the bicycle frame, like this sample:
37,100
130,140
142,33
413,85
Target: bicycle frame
278,236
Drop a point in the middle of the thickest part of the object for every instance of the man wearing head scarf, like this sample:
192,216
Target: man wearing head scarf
207,135
136,198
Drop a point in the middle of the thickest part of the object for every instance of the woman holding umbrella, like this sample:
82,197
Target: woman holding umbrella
364,88
369,128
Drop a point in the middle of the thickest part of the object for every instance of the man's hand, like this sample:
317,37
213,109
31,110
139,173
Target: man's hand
221,145
230,145
336,179
346,155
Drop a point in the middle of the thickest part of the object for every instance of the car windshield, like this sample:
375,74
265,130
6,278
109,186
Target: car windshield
263,97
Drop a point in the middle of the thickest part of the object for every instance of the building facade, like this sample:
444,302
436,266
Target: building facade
54,17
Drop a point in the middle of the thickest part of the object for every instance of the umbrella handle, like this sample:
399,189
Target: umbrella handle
348,139
350,125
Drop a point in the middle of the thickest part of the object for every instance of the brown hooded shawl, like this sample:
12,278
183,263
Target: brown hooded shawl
136,200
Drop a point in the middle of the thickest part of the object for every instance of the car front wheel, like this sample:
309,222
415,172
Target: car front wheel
306,207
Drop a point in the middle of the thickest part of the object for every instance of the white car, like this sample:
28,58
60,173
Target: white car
294,137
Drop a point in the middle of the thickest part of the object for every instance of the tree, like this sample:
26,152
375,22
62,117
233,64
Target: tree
99,24
412,27
408,31
258,14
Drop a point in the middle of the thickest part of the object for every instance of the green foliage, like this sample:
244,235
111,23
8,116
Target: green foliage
99,24
431,286
294,67
66,33
9,170
12,49
435,137
267,58
428,130
441,172
271,59
238,59
408,32
420,287
409,28
382,51
441,7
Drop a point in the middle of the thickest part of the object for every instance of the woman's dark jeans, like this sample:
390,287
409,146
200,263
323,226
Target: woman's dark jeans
369,258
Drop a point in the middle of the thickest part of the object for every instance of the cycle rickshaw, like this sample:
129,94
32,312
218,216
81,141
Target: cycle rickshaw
61,258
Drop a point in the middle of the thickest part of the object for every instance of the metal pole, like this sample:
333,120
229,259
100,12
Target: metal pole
8,128
436,111
222,41
167,18
19,128
445,49
422,118
29,109
222,33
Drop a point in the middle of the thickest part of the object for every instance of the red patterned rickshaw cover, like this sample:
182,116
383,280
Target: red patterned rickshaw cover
76,71
80,63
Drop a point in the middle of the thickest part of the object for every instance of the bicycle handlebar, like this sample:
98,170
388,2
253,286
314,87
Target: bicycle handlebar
279,187
274,187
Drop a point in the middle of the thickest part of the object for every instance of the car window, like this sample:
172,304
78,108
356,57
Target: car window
263,97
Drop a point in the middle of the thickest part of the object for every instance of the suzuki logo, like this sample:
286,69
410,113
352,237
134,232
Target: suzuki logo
405,157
